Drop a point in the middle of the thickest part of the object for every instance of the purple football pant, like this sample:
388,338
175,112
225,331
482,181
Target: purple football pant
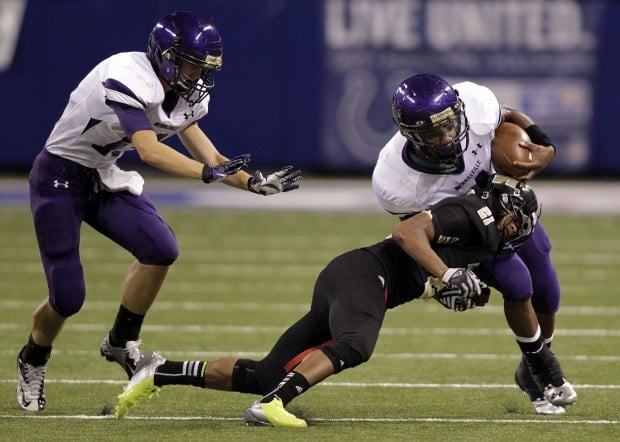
62,196
527,273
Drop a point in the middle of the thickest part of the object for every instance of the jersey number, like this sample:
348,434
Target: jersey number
485,215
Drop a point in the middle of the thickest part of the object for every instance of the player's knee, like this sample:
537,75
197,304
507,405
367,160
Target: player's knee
67,289
244,379
256,377
162,251
343,356
546,302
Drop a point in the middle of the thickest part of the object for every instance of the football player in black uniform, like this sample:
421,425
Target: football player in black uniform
428,255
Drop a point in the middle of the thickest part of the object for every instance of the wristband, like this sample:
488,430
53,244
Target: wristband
249,184
206,173
538,136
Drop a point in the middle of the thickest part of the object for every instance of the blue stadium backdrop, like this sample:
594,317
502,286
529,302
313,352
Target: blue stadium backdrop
308,82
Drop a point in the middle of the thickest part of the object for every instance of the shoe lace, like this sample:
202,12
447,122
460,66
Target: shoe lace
132,350
34,377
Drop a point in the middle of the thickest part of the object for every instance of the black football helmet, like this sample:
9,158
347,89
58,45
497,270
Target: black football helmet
506,195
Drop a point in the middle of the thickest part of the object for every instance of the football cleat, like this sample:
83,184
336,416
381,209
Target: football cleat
30,386
127,356
543,406
563,395
525,381
141,385
272,414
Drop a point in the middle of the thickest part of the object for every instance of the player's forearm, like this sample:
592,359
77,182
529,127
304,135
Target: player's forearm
517,117
412,236
169,160
165,158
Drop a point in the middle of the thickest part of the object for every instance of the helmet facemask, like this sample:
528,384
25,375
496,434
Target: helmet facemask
440,138
525,221
193,90
508,196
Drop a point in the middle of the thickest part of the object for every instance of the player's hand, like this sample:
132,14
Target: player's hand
465,280
222,170
541,156
451,298
283,180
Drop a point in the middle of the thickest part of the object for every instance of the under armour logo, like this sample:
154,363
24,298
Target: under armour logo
57,184
188,116
475,151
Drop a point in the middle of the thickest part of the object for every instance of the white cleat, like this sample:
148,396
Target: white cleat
543,406
563,395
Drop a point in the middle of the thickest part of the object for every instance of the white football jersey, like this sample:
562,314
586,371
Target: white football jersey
401,190
89,132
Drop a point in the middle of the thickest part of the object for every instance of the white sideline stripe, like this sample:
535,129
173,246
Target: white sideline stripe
342,194
250,330
288,307
259,354
346,419
341,384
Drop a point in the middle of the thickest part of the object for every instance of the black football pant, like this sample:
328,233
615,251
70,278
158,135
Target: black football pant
346,314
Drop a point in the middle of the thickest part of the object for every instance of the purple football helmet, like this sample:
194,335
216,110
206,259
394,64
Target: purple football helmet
184,37
430,114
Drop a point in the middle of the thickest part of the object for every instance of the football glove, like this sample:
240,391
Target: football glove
465,280
283,180
222,170
450,296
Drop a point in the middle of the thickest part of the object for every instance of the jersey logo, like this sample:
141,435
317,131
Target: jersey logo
447,239
470,175
58,184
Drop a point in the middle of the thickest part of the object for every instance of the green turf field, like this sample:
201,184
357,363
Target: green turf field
243,277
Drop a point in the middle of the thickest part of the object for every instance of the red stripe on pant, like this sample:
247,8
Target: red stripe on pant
297,359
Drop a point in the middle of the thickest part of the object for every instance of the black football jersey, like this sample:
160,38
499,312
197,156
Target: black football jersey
465,235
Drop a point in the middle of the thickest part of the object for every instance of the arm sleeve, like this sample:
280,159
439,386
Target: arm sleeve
132,119
127,106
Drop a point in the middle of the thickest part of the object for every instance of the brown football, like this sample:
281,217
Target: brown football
505,149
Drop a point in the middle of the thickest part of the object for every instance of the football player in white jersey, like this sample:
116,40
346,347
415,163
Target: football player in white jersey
442,147
131,100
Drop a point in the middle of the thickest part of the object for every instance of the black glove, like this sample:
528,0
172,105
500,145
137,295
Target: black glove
222,170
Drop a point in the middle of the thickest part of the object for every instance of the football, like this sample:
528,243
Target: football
505,149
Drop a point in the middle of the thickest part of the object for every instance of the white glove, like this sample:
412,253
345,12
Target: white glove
465,280
283,180
450,296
